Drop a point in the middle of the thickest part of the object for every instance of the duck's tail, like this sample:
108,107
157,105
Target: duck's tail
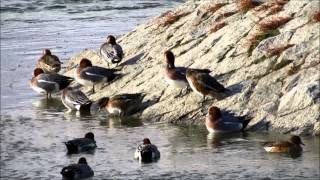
71,147
67,172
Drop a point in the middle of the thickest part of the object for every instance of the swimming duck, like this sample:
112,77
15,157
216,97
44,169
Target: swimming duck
147,152
49,63
122,104
77,171
215,122
81,144
74,99
292,146
176,76
110,51
204,84
89,75
45,83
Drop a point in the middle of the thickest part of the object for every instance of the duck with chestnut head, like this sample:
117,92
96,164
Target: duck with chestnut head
147,152
111,52
75,99
217,122
88,75
48,62
176,76
45,83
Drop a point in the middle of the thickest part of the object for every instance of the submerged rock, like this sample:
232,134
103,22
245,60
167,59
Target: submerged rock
273,78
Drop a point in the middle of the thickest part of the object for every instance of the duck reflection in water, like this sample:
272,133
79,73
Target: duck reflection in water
117,122
52,104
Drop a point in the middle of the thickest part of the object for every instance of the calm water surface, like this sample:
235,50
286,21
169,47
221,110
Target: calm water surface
33,130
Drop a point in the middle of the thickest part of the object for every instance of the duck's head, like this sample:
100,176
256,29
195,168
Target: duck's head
214,112
85,63
169,58
82,160
89,135
146,141
37,71
296,140
103,102
46,52
111,40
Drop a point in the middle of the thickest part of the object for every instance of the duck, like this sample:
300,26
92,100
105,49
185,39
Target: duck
88,75
122,104
75,99
176,76
45,83
147,152
77,171
110,51
203,84
85,144
215,122
293,146
49,63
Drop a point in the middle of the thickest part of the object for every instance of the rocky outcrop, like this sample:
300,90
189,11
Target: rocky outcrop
267,55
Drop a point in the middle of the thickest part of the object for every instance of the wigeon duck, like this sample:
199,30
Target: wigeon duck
81,144
215,122
49,63
77,171
89,75
74,99
176,76
204,84
44,83
122,104
147,152
292,146
110,51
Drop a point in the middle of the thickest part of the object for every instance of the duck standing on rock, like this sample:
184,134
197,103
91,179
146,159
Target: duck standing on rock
110,51
147,152
203,84
45,83
122,104
215,122
81,144
77,171
176,76
292,146
89,75
49,63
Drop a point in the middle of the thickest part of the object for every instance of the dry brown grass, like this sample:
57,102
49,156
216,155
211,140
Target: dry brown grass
216,27
278,49
246,5
212,8
316,17
225,15
281,2
273,23
293,70
170,17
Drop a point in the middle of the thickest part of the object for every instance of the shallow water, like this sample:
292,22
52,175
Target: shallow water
33,130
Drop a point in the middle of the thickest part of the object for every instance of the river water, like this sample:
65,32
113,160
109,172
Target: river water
33,130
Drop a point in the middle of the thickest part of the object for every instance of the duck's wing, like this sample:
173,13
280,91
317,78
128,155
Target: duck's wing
96,73
128,97
180,73
62,80
77,97
82,143
209,82
46,82
111,53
